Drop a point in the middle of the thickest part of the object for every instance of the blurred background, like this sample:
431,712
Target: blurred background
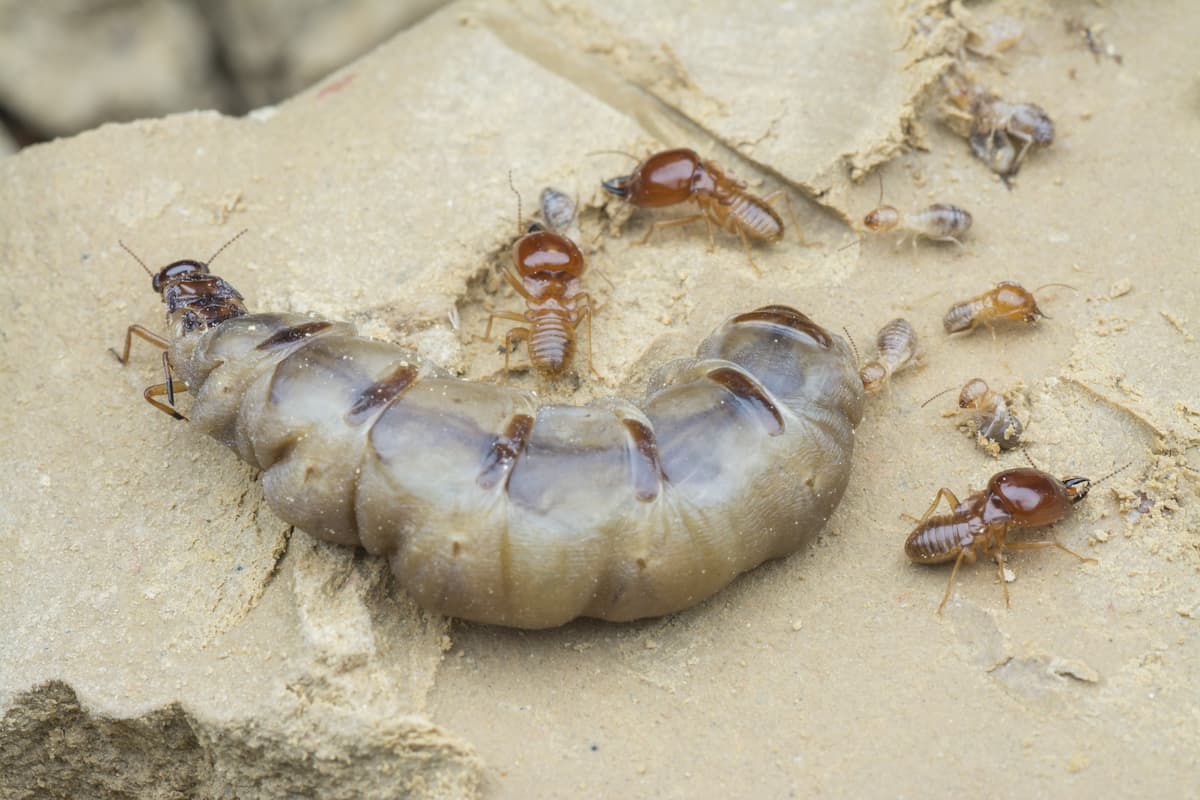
70,65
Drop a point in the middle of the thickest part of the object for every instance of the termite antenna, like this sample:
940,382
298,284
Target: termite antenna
125,247
1047,285
853,346
1114,473
879,174
936,396
1029,458
857,240
220,249
518,194
614,152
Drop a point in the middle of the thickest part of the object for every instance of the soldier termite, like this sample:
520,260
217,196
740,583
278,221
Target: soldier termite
898,347
1005,300
990,415
492,507
672,177
546,270
1014,499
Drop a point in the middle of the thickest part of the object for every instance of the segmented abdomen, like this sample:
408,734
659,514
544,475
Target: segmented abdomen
961,316
495,509
938,539
942,219
741,210
551,340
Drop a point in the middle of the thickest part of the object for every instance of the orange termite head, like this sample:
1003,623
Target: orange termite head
972,393
1014,301
883,218
1034,497
663,179
547,253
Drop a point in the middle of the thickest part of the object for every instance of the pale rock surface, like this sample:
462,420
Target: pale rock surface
162,634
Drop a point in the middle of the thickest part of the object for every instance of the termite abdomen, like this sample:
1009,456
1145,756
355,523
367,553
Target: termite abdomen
898,347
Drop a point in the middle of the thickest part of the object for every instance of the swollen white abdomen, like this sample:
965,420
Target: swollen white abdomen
494,508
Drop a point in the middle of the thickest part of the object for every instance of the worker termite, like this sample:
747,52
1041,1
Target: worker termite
1014,499
547,269
672,177
990,415
940,222
990,124
558,209
491,506
1005,300
898,347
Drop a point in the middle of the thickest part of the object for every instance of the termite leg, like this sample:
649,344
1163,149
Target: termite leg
668,223
787,200
943,492
158,390
515,282
511,315
746,247
1040,545
950,583
585,313
1003,582
1028,140
516,334
144,333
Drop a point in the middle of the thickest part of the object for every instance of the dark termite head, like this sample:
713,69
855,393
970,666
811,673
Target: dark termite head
547,254
663,179
178,271
171,273
882,219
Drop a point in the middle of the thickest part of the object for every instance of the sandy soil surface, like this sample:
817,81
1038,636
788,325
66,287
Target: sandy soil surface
161,631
